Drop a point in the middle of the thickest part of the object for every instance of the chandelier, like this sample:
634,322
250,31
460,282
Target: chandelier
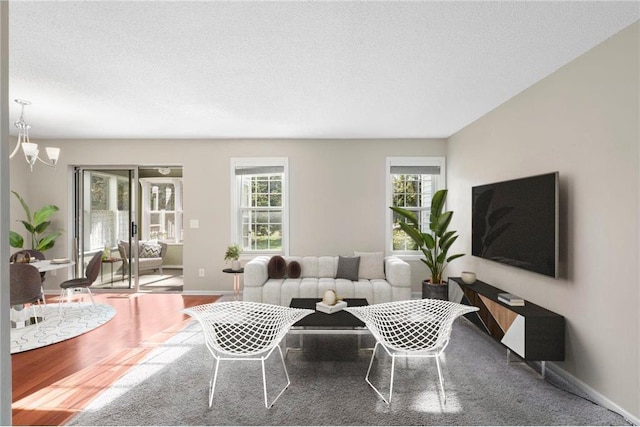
30,149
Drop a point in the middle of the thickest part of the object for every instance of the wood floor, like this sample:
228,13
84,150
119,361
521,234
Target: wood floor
53,383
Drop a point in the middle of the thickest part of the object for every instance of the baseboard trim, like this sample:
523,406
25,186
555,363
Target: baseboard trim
596,396
592,394
198,293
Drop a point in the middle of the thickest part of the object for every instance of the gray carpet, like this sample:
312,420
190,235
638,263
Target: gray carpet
328,388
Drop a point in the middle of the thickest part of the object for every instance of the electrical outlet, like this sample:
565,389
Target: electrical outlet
52,272
201,272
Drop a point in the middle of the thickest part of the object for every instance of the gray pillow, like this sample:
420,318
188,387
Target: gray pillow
348,267
150,250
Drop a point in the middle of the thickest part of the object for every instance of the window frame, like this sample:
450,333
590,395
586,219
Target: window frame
114,233
236,194
407,161
178,211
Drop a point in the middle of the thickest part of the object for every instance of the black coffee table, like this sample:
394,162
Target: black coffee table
341,322
340,319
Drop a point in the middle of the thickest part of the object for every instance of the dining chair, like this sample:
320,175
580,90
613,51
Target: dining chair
68,287
33,253
245,331
413,328
25,287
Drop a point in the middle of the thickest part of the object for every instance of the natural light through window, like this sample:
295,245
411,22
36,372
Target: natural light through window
160,359
259,204
411,183
108,210
162,209
416,385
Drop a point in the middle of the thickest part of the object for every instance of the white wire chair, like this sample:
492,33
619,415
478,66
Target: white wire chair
414,328
244,330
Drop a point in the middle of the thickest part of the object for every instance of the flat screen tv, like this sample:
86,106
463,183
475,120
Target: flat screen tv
516,223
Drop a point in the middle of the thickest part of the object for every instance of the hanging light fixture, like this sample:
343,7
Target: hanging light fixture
30,149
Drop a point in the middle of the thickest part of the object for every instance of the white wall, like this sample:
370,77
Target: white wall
18,167
5,345
583,122
337,193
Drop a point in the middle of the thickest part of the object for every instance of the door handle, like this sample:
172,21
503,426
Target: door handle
134,229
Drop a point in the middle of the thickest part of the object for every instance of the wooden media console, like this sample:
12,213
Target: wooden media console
530,331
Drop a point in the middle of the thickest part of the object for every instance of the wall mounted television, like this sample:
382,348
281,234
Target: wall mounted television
516,223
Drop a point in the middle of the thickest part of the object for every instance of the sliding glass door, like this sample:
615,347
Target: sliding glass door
104,216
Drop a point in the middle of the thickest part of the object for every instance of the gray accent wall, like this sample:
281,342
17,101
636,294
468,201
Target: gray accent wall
582,121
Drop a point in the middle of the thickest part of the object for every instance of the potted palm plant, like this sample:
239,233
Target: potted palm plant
37,226
434,244
233,254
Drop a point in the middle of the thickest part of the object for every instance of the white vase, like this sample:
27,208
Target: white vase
329,297
468,277
235,264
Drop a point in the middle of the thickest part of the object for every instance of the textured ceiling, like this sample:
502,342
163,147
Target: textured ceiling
158,69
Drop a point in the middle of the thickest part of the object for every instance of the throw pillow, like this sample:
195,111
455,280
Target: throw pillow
348,268
371,265
294,269
277,267
150,250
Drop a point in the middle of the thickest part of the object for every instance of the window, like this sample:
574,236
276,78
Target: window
259,204
411,183
107,212
99,192
162,209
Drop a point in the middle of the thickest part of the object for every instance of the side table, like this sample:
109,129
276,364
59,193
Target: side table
110,261
236,279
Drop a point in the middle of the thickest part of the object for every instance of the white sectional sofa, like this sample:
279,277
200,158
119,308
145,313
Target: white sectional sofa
379,279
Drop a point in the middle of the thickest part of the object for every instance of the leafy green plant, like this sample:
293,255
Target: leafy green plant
37,226
436,243
233,253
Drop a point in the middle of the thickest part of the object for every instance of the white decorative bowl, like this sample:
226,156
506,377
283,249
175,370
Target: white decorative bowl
329,297
468,277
